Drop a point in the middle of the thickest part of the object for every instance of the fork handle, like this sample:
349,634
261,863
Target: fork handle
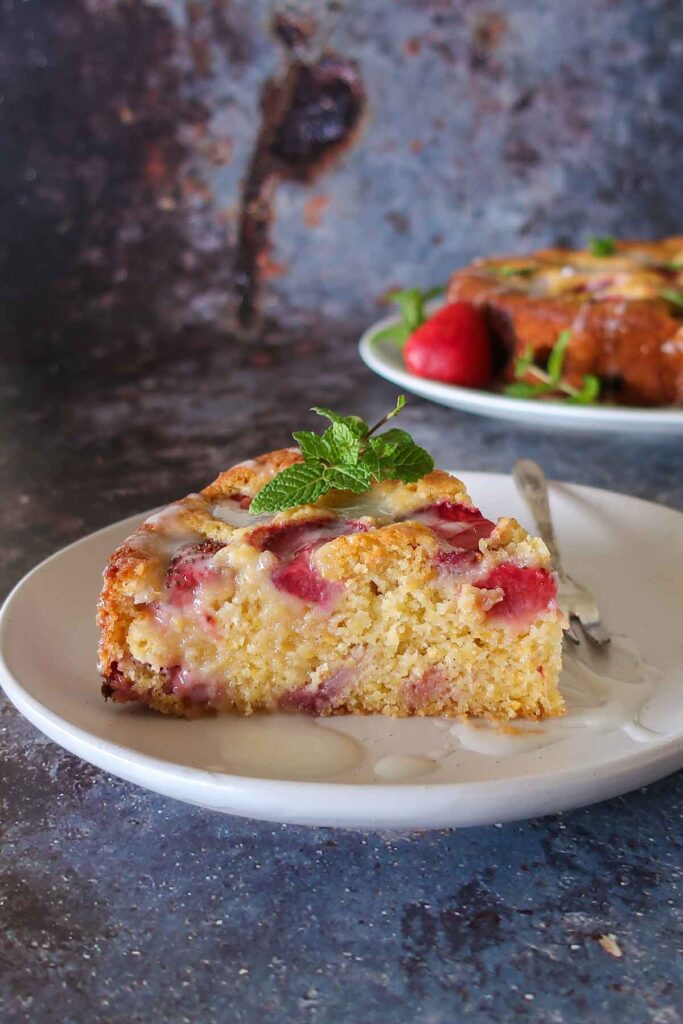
533,487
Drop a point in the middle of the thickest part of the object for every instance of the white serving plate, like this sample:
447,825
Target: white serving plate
385,359
335,772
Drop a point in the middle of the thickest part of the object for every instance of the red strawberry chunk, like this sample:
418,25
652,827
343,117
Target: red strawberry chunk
189,569
294,544
527,592
243,500
460,562
461,526
192,687
330,691
299,578
286,539
431,686
452,511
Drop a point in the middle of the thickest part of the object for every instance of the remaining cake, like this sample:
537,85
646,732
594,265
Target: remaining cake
403,600
623,310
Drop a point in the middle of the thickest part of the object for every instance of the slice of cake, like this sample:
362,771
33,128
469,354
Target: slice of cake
398,598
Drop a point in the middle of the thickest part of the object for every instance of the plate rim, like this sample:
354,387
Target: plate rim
103,752
488,403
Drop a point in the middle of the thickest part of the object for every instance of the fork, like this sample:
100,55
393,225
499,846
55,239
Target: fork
575,600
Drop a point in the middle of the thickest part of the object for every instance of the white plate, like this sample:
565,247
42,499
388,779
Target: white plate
629,551
385,359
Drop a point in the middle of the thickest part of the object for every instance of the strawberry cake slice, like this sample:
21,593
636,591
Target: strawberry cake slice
397,599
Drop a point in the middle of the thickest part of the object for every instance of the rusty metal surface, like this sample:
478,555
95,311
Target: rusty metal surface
138,137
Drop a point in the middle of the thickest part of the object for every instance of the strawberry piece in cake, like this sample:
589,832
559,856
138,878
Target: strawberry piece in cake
400,600
188,570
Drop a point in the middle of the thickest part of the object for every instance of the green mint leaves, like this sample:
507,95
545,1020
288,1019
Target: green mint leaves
549,381
346,457
603,246
411,303
507,270
305,481
672,295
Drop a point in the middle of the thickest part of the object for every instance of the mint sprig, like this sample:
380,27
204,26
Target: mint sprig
346,457
508,270
549,381
672,295
411,303
603,246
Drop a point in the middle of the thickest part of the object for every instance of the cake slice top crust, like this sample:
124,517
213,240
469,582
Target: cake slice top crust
631,270
310,550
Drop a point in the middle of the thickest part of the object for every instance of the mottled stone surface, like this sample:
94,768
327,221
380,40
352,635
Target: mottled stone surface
127,130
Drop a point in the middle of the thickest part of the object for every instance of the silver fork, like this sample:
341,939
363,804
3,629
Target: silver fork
576,601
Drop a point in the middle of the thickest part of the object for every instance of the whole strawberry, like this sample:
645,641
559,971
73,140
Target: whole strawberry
452,346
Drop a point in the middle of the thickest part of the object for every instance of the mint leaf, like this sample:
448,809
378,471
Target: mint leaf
395,437
397,333
672,295
523,362
344,443
380,458
313,446
510,271
355,423
400,402
301,484
411,463
349,478
556,357
602,246
550,380
589,392
411,304
520,389
345,457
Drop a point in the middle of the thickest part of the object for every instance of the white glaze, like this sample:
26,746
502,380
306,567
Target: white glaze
284,747
230,512
167,519
171,534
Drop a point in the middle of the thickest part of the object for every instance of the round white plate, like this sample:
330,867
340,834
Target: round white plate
334,772
385,359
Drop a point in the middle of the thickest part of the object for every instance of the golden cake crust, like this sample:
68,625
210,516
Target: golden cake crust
623,328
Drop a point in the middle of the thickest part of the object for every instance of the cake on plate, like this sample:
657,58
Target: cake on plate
396,597
622,302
